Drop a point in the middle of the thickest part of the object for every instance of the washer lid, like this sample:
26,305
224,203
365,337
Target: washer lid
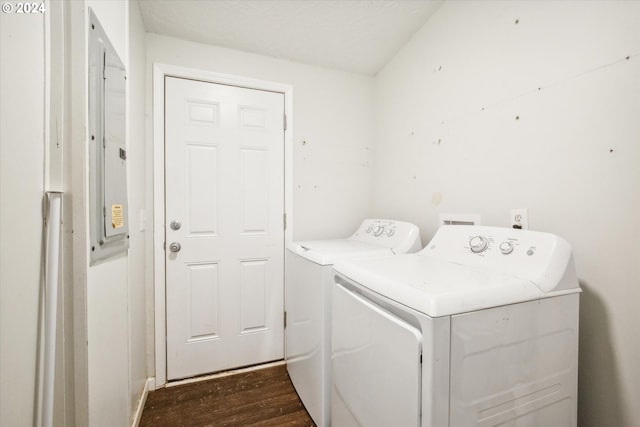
327,252
439,288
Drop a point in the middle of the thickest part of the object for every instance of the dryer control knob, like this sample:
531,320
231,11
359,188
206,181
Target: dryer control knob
391,232
377,231
478,244
506,248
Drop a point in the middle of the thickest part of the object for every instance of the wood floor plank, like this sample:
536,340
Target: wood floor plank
263,397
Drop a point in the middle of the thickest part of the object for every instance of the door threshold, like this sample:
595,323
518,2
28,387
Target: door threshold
225,373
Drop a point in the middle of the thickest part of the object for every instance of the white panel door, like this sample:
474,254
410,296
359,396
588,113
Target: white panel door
224,171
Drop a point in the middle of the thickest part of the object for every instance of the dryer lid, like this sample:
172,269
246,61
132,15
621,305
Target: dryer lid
466,268
435,287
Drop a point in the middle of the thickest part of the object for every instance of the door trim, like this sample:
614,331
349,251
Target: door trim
160,71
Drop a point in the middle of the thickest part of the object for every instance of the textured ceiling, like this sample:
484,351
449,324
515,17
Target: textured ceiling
351,35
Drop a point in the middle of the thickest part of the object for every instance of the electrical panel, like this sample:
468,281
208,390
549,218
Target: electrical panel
108,206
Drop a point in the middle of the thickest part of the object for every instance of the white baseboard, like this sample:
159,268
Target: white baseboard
137,416
226,373
153,385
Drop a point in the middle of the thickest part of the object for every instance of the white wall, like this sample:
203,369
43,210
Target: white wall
136,152
332,130
498,105
107,298
110,294
21,190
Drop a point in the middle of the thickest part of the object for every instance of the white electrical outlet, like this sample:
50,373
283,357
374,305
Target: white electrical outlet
519,218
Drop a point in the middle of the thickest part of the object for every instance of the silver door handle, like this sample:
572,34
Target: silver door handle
175,225
175,247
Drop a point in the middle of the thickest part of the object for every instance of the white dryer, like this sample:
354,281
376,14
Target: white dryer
308,283
480,328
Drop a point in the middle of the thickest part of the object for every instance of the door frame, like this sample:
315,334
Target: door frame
160,71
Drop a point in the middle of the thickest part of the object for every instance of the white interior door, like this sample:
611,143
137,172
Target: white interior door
224,171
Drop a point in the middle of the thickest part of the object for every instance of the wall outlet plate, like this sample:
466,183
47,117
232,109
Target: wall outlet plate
519,218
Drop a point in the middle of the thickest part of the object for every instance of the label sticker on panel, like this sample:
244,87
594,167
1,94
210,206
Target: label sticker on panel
117,216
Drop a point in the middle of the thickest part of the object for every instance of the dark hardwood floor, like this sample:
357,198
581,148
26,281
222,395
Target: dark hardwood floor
263,397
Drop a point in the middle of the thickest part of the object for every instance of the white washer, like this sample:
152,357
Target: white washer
308,283
480,328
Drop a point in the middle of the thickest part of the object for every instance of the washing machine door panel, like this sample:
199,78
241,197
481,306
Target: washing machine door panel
376,365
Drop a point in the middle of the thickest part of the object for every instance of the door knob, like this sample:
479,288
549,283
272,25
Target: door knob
175,225
175,247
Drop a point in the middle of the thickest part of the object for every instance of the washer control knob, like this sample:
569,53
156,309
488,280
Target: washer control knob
506,247
391,232
369,229
377,231
478,244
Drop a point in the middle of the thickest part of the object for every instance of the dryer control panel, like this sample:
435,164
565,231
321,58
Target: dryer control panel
542,258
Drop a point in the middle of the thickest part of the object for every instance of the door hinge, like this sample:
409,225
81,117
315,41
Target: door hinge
284,121
284,220
285,319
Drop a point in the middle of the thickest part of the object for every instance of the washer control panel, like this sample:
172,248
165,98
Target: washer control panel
389,233
381,229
